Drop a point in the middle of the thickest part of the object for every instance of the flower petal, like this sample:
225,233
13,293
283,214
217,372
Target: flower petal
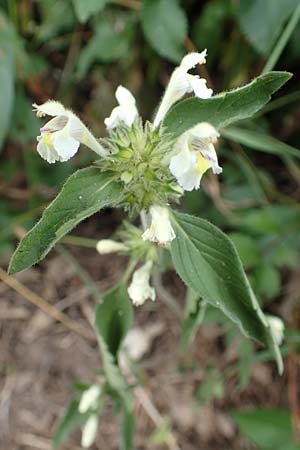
65,145
182,83
190,180
55,124
140,290
160,230
89,398
192,59
50,108
46,152
211,155
126,111
181,162
276,328
198,85
204,130
89,431
124,96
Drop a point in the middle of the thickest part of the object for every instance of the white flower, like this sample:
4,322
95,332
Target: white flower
140,290
277,328
160,230
89,431
89,399
60,138
126,111
181,83
196,155
106,246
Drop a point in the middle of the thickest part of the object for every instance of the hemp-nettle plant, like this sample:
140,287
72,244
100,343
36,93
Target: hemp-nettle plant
145,169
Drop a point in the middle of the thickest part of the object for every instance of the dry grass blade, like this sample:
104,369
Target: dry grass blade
48,309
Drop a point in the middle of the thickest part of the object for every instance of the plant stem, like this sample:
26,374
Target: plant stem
80,241
282,42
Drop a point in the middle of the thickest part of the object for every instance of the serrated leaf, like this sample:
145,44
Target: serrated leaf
260,142
262,21
165,27
228,107
83,194
207,261
7,74
84,9
71,420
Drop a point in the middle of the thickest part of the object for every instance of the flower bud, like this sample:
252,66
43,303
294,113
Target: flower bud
89,431
89,398
160,230
277,328
140,290
106,246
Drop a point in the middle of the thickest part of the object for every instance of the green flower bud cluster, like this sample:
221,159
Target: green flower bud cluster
139,155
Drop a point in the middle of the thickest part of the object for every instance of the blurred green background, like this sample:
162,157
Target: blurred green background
79,51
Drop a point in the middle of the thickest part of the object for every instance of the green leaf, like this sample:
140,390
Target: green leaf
127,430
267,281
228,107
71,420
106,45
84,193
57,18
262,21
211,388
272,220
268,429
260,141
194,315
114,317
207,261
245,363
247,248
84,9
7,74
165,27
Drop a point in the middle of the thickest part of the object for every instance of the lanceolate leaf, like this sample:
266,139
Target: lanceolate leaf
227,107
114,317
127,430
208,263
260,141
71,420
84,193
